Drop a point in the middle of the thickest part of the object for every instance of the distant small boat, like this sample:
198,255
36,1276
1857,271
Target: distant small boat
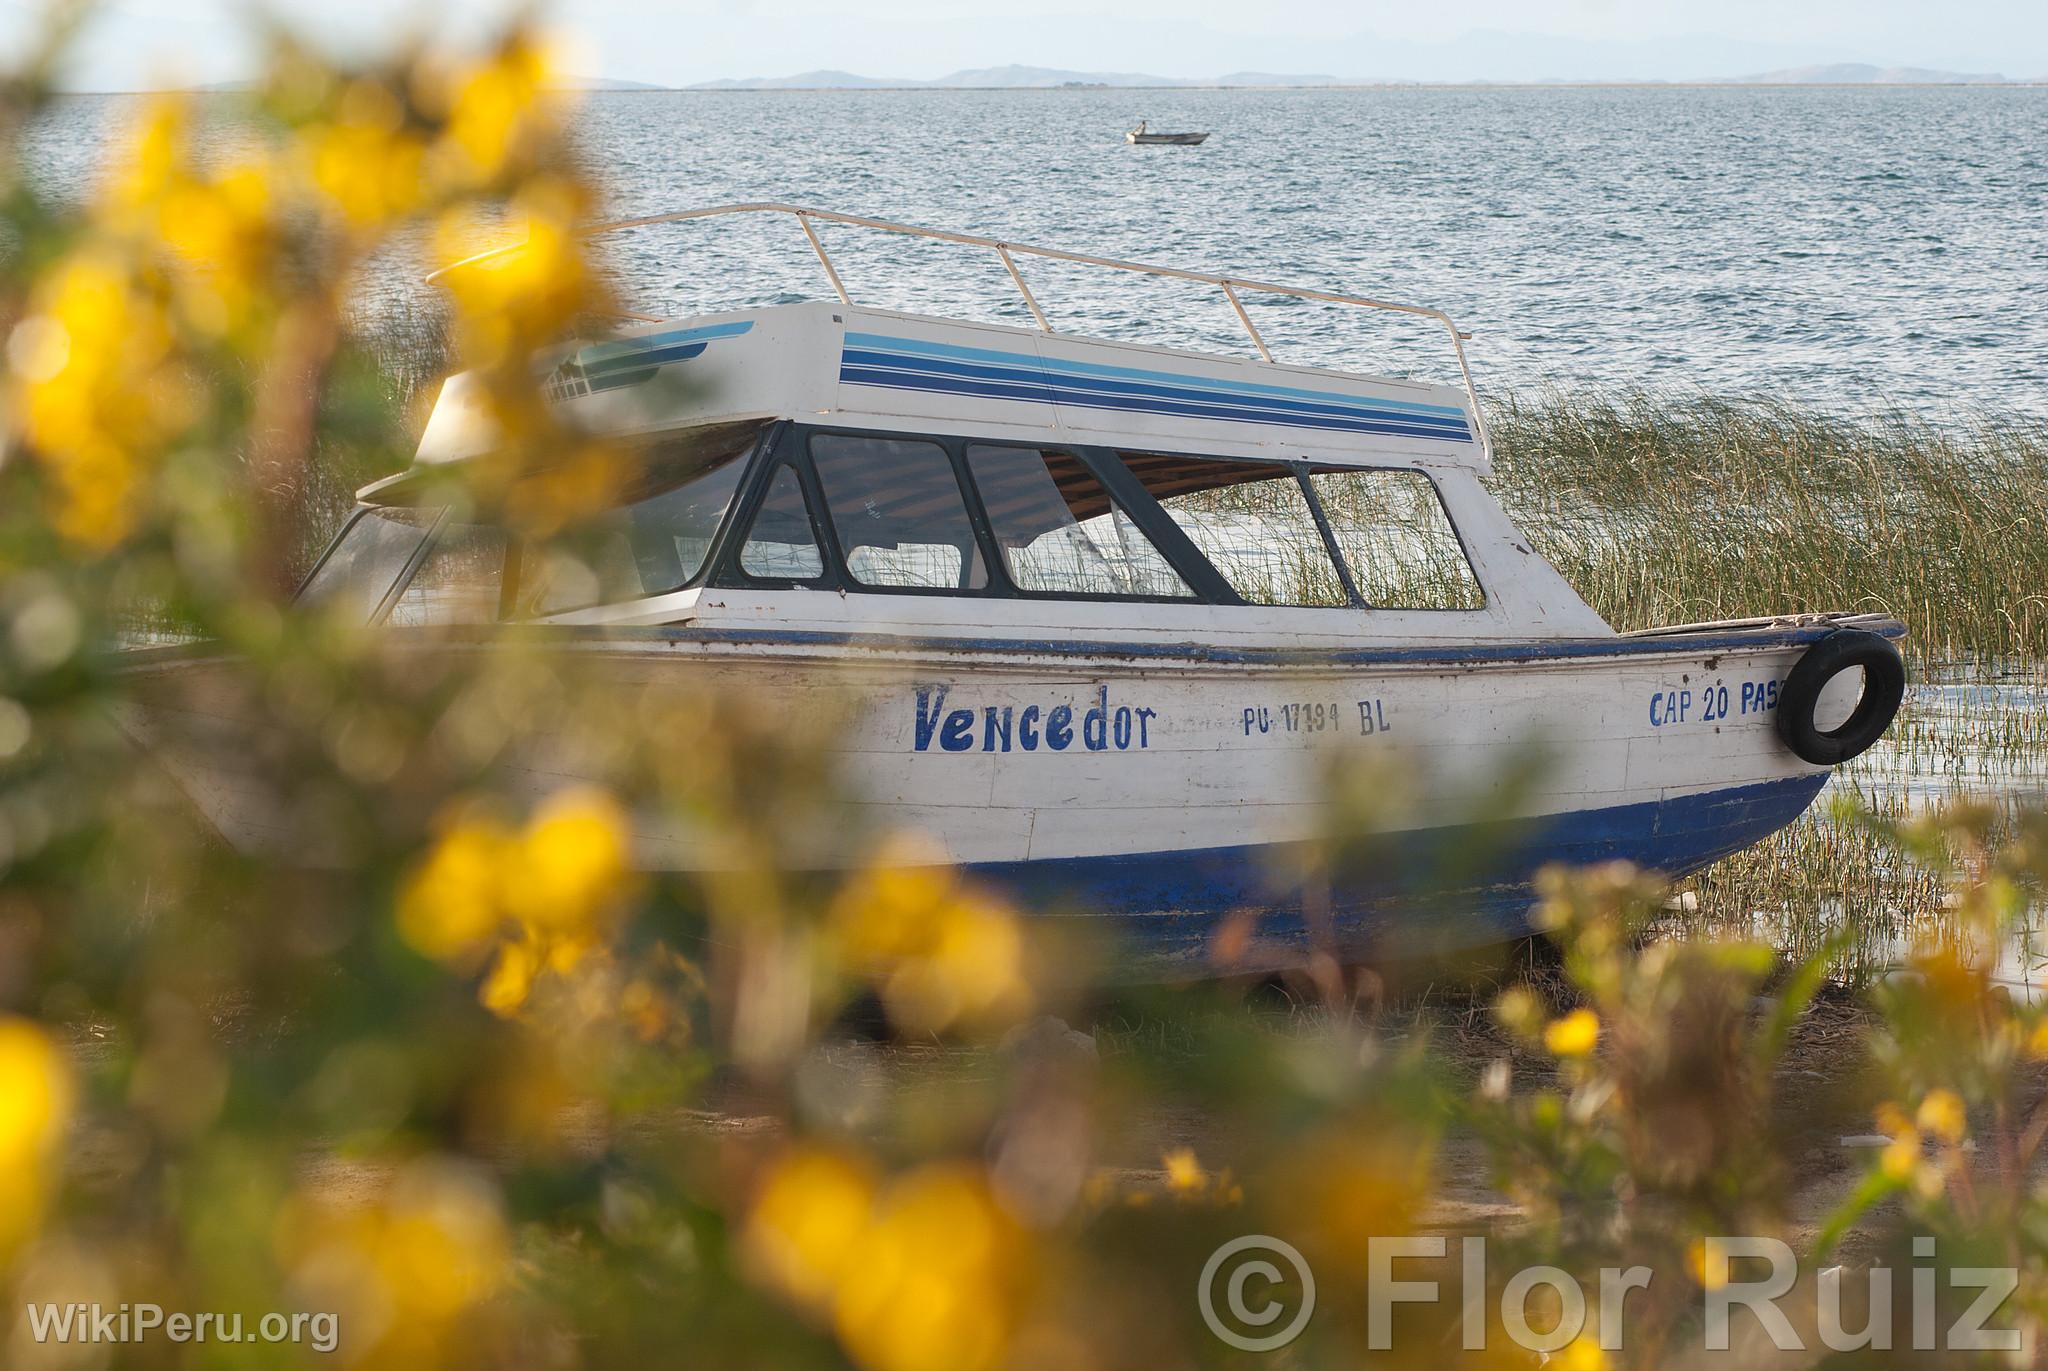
1139,135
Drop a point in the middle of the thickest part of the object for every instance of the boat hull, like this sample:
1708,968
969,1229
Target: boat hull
1159,788
1166,908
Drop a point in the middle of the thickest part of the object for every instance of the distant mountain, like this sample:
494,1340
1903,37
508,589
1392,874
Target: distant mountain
570,81
1012,77
1864,74
809,80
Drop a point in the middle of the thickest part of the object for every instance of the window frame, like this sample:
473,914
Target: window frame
725,556
1486,599
787,442
1081,454
841,576
792,444
1296,468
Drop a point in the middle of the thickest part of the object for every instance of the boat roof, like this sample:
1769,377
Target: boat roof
840,364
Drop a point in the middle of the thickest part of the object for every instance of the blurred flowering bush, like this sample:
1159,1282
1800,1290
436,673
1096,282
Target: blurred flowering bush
467,1080
437,1085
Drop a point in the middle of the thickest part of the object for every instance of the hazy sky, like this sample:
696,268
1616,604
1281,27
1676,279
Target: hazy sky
680,41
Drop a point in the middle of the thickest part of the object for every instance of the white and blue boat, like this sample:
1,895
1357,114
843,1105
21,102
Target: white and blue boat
1098,615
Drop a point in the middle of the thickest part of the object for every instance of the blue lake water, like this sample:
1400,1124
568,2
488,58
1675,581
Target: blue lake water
1844,247
1852,248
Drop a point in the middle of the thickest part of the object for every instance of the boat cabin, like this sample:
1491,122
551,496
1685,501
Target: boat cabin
822,448
831,468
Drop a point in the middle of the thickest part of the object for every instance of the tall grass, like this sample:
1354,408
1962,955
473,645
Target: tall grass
1671,509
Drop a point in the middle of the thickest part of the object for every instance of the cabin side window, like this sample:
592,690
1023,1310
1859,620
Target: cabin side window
781,545
1396,538
1059,531
896,507
1253,523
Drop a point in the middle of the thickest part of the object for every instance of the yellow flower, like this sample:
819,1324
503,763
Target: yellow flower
97,392
572,862
514,302
1900,1160
1583,1353
2037,1040
942,953
937,1283
367,164
1941,1114
1574,1035
544,895
1184,1174
401,1266
1696,1264
1348,1185
449,909
969,972
498,109
924,1274
153,160
809,1224
35,1107
504,991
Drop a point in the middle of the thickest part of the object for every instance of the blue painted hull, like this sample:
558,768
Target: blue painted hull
1418,893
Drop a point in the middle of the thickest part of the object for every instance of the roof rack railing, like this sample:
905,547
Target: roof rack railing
1007,251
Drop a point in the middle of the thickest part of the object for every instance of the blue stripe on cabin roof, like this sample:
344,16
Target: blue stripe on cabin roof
897,362
628,348
635,362
1043,392
920,347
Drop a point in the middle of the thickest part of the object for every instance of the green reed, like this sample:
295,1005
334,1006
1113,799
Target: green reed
1832,873
1671,509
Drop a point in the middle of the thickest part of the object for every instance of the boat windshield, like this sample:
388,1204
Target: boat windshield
648,546
366,561
654,542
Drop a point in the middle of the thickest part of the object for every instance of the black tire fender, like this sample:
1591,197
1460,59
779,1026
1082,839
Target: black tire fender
1884,686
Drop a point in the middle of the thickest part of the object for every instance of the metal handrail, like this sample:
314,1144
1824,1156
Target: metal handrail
1003,249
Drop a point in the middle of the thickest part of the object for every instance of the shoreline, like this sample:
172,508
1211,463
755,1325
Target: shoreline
1095,89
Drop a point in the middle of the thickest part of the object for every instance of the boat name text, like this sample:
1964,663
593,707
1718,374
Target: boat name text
1099,727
